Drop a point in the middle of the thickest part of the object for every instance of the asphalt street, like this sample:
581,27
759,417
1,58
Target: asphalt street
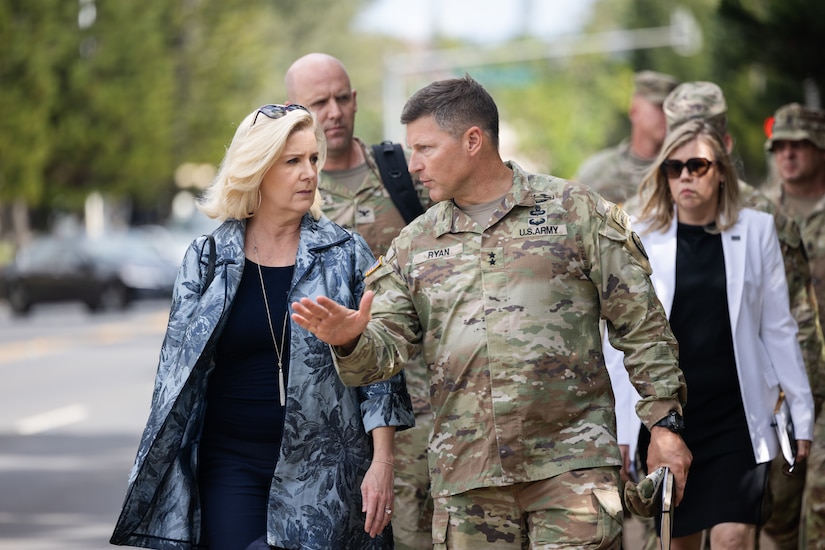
75,390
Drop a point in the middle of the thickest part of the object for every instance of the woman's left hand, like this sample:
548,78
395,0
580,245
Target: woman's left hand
378,497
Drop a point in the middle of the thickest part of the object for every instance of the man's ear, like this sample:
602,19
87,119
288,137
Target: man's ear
355,100
473,139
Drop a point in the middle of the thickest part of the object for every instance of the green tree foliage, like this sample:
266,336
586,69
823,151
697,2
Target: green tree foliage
784,37
31,41
566,114
760,52
117,103
115,99
767,53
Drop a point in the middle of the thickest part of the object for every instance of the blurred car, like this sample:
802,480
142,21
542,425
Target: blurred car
104,273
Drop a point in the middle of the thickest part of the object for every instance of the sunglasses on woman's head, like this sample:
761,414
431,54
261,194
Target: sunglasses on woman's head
275,112
697,167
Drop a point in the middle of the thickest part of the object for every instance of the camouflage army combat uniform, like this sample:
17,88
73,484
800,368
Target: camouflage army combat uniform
507,318
793,122
371,212
615,172
805,306
813,235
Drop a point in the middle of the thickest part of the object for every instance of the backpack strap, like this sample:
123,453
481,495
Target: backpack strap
396,178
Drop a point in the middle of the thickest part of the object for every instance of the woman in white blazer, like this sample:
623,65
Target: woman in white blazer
718,272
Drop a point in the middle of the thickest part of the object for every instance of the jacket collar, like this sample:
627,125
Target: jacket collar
316,236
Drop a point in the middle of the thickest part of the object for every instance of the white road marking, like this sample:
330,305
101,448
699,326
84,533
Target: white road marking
55,418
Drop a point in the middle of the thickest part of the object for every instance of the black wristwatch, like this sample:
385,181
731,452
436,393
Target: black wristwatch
673,422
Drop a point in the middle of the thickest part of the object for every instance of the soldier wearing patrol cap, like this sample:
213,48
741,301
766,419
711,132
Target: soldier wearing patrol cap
796,139
699,99
617,171
706,101
501,285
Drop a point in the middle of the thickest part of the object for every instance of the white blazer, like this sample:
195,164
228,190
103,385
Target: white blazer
764,332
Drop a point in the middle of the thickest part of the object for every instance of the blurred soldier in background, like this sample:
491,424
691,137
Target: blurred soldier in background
797,141
354,196
617,172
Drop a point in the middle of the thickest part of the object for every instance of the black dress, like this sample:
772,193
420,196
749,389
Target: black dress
724,483
244,419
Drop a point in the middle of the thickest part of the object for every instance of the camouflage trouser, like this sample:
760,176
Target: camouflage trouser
813,517
648,535
580,509
786,495
413,515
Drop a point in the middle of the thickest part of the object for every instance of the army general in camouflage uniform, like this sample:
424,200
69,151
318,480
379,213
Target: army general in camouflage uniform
797,142
616,172
705,100
501,285
353,196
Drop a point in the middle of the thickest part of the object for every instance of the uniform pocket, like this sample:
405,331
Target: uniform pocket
441,520
609,526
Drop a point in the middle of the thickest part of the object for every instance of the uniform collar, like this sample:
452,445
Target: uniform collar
450,218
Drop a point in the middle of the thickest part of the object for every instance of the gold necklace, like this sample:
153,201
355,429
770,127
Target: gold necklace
278,352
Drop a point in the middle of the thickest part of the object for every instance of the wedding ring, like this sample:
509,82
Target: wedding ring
388,511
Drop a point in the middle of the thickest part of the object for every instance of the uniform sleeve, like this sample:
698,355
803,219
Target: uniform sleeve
803,303
778,332
626,396
386,345
636,322
387,402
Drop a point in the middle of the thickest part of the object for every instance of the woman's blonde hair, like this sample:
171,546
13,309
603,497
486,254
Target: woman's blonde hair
658,203
257,144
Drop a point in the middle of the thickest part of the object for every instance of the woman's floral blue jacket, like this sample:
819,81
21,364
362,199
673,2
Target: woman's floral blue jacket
315,498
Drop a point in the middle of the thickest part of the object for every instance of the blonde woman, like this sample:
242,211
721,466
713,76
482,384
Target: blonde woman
718,271
252,440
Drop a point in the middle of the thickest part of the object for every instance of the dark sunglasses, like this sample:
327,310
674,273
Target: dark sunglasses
277,111
697,167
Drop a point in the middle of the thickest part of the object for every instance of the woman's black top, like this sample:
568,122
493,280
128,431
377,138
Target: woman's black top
714,414
243,400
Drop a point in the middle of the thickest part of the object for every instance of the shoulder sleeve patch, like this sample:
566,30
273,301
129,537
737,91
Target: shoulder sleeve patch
617,228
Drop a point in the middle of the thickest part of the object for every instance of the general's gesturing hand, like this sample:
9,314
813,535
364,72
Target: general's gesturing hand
331,322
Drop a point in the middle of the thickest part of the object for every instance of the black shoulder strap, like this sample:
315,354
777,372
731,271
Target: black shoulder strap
396,177
210,266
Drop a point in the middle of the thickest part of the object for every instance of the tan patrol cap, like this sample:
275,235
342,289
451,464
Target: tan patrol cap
793,122
690,100
653,86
